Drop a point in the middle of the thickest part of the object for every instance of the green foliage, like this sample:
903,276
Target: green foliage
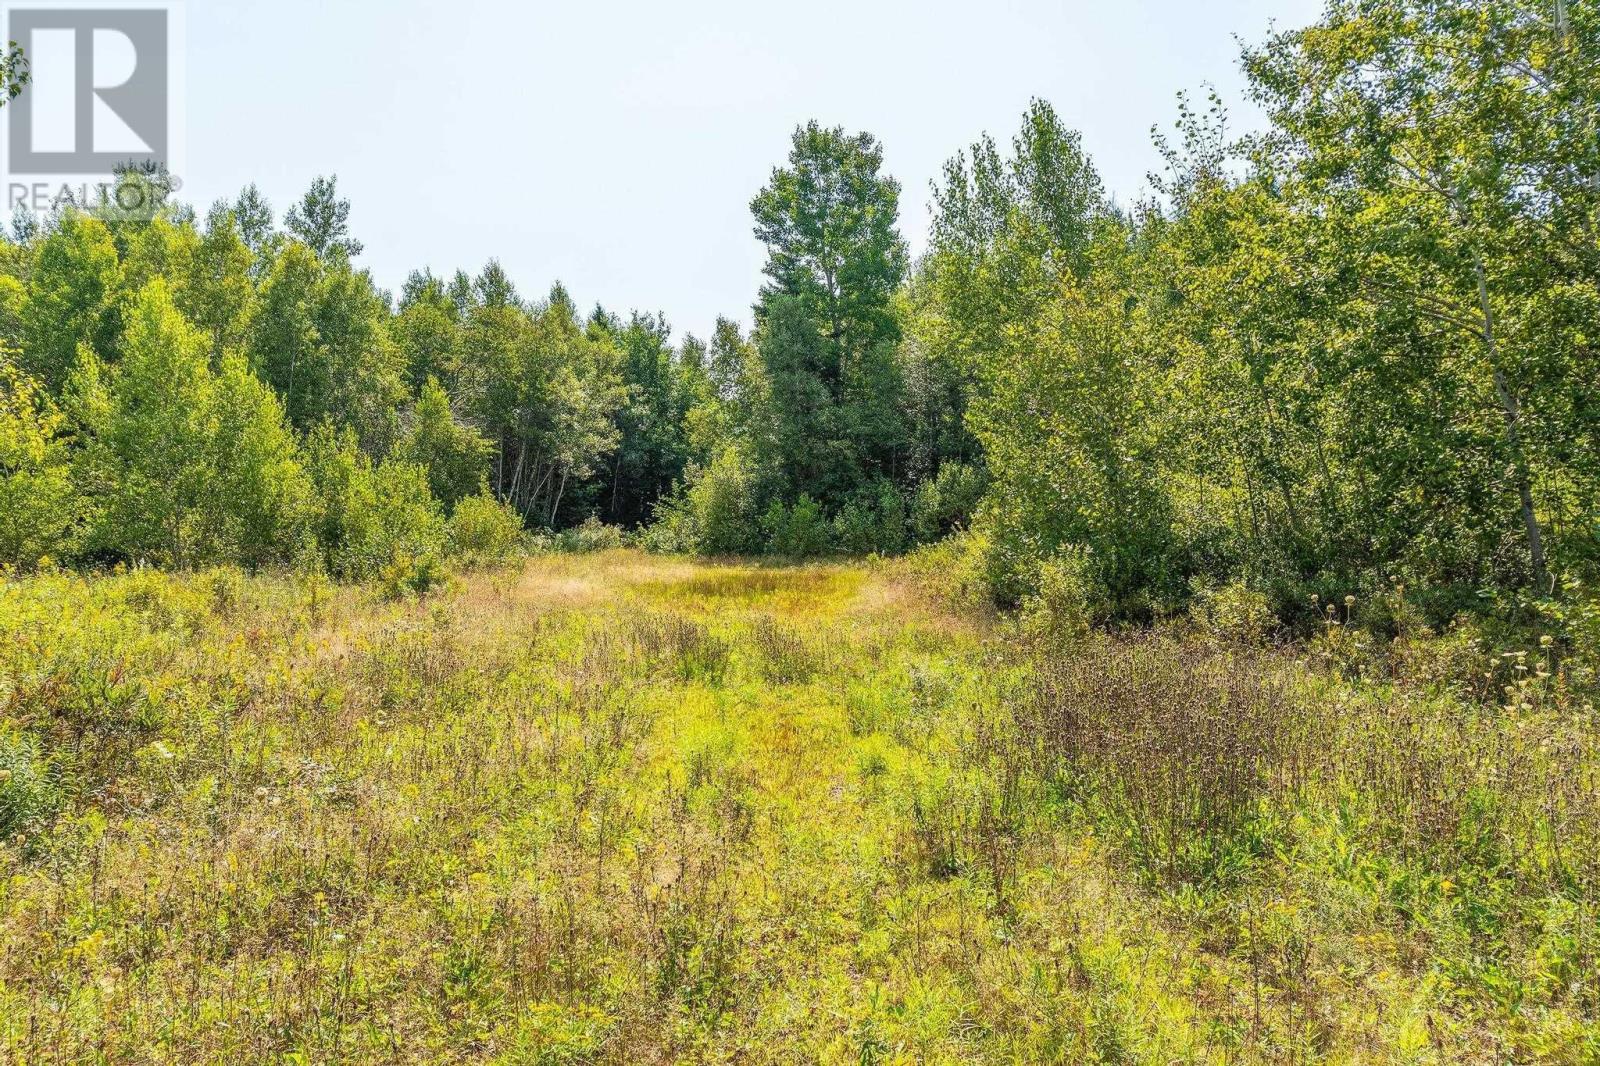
1066,601
716,514
321,221
1234,612
322,341
30,793
373,519
39,504
484,530
1345,352
873,523
826,416
455,455
591,535
185,465
797,531
72,291
946,502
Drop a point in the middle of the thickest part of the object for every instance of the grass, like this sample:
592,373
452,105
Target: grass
612,808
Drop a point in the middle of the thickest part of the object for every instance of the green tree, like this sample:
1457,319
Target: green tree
72,294
426,331
826,326
39,506
321,221
1455,145
188,466
455,455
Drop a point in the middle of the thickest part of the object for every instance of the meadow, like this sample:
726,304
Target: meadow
614,807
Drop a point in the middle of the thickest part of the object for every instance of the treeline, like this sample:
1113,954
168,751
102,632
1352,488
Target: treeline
1354,350
188,392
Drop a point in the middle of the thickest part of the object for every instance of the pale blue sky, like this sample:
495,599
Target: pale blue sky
615,145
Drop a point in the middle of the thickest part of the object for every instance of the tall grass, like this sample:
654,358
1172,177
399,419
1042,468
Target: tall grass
610,808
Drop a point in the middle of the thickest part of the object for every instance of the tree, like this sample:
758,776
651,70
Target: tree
826,325
370,516
321,339
39,506
188,466
455,456
220,295
72,291
253,215
652,444
321,221
1456,143
426,331
14,73
828,221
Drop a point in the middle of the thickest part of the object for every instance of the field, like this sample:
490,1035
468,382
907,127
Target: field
618,808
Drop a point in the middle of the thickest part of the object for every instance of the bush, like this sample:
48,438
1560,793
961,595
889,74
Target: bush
1234,612
372,517
955,570
406,574
715,514
946,503
874,522
855,529
482,529
798,532
1067,602
592,536
456,456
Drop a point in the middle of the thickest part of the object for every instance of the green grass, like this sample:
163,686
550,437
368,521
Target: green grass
615,808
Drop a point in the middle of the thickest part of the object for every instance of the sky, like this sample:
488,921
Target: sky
615,145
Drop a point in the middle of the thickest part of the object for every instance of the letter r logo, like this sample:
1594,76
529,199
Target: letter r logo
99,92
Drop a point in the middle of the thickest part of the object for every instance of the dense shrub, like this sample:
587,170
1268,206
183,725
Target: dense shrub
482,529
946,502
371,517
455,455
797,532
1234,612
874,521
1067,601
716,513
591,535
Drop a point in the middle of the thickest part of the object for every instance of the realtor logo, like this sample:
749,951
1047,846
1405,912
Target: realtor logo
100,92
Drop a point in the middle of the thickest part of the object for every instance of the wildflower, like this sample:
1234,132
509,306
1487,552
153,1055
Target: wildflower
1349,601
1546,641
261,792
5,775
